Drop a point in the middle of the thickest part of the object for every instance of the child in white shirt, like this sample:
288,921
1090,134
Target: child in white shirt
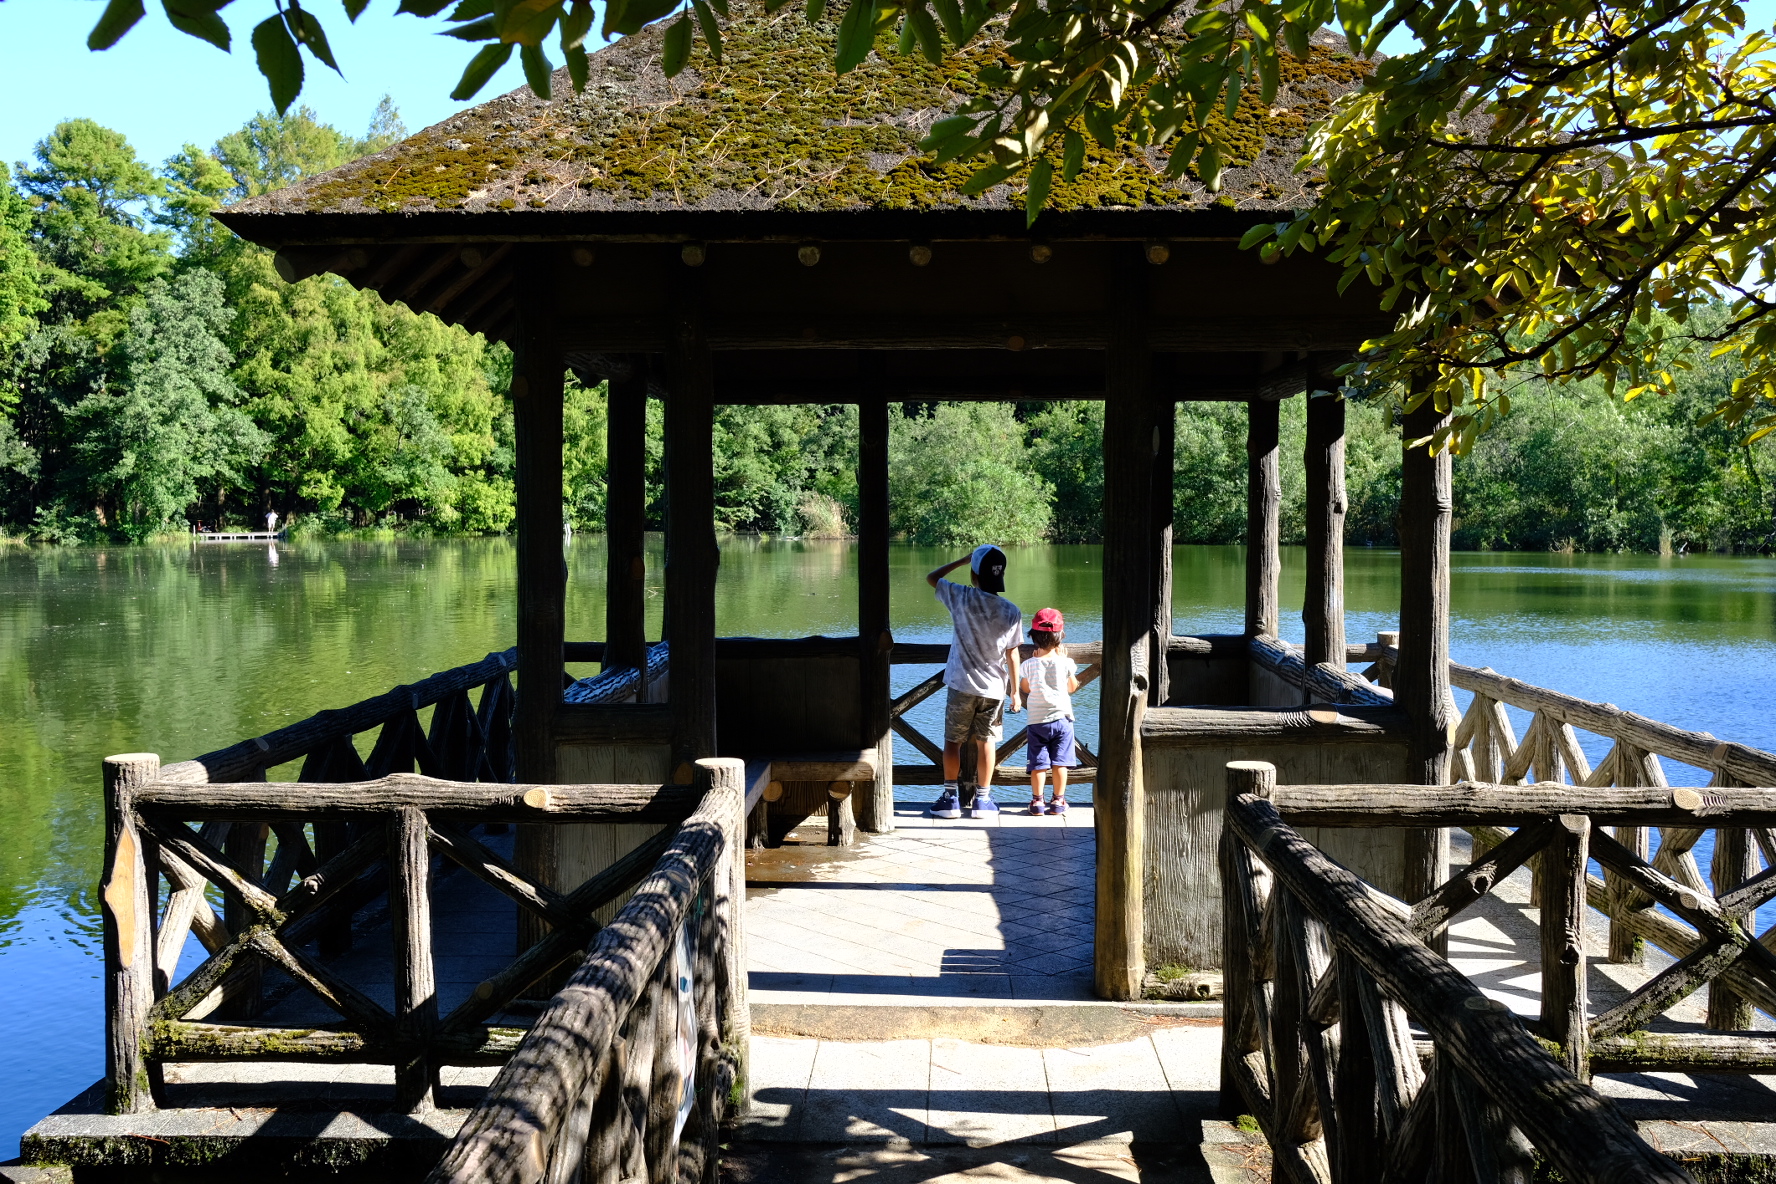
1049,679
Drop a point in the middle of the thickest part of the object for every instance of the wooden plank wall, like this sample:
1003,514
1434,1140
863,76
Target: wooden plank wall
1186,795
1207,681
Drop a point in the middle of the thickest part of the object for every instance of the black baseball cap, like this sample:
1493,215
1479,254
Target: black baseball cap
988,565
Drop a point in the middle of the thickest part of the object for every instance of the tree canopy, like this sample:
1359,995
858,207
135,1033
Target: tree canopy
1529,184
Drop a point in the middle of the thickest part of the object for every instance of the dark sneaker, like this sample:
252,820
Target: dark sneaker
1058,806
1035,805
946,805
984,805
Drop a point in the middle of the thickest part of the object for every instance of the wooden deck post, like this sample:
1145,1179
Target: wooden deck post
1322,612
691,554
1729,1011
625,597
126,909
537,380
1118,797
1563,942
1165,424
874,807
410,928
1421,678
1264,501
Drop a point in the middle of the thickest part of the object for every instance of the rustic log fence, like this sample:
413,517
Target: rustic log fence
1325,977
686,913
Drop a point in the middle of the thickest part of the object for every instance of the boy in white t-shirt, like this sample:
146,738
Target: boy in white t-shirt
1049,679
983,666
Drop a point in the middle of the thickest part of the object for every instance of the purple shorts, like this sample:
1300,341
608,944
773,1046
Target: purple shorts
1051,746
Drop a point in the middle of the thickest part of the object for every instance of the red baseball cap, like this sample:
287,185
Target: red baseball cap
1048,620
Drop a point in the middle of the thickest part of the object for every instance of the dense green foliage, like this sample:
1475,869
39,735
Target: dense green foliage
155,373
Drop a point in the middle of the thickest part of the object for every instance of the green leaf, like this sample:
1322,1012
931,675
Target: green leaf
199,19
631,16
1072,155
468,10
985,178
354,9
951,18
120,16
481,67
575,25
712,34
578,68
485,29
1257,235
676,50
1208,166
1182,152
308,31
925,29
904,46
1036,196
536,69
857,34
279,60
1101,123
423,7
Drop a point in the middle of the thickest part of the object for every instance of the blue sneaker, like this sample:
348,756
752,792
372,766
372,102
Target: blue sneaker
984,805
946,805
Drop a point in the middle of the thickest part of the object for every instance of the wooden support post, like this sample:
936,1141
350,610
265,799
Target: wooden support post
537,381
1118,797
1245,886
732,998
245,847
410,928
875,805
625,513
1264,500
1563,942
1728,1010
1165,427
691,554
1322,612
126,909
1421,679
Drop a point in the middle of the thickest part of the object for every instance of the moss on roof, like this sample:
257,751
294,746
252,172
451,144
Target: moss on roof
771,126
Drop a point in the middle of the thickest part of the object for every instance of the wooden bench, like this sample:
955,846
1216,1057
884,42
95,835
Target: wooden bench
837,773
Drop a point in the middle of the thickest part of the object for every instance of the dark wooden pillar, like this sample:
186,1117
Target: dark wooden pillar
875,808
537,382
1322,612
691,554
1421,678
1118,796
1165,424
625,598
1264,501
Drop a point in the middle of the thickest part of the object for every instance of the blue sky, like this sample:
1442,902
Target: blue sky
163,89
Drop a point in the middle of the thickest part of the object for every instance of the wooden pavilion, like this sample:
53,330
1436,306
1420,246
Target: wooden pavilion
761,231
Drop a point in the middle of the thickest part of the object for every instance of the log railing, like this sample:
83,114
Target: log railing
1087,654
404,821
632,1067
1325,977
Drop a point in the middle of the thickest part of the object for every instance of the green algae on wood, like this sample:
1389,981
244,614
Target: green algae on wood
771,126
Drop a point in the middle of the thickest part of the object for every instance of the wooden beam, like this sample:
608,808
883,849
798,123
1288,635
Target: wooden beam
1119,959
1322,612
1421,675
874,809
691,554
625,604
127,914
537,384
410,928
1159,524
1264,497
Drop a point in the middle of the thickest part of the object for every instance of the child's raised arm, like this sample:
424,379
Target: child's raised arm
933,577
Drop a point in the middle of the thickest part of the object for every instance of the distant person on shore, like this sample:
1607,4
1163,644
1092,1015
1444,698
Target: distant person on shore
271,521
1050,678
983,668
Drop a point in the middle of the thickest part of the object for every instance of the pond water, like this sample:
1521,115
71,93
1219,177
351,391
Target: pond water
180,650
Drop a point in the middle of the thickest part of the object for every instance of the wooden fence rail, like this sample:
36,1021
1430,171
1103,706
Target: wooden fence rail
1325,975
403,822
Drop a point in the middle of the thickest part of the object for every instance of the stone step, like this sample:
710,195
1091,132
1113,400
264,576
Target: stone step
1029,1025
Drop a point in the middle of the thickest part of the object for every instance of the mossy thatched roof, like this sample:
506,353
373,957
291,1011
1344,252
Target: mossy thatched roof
771,127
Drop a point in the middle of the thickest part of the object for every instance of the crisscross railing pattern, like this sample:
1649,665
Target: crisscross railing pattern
1325,977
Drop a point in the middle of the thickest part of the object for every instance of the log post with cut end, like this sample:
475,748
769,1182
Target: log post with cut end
538,377
875,806
1264,500
1322,612
1165,428
1421,678
126,908
1563,942
1128,623
691,554
410,928
1728,1010
728,892
625,603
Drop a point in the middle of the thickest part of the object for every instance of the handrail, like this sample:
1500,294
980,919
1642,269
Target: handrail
564,1098
624,684
1323,973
